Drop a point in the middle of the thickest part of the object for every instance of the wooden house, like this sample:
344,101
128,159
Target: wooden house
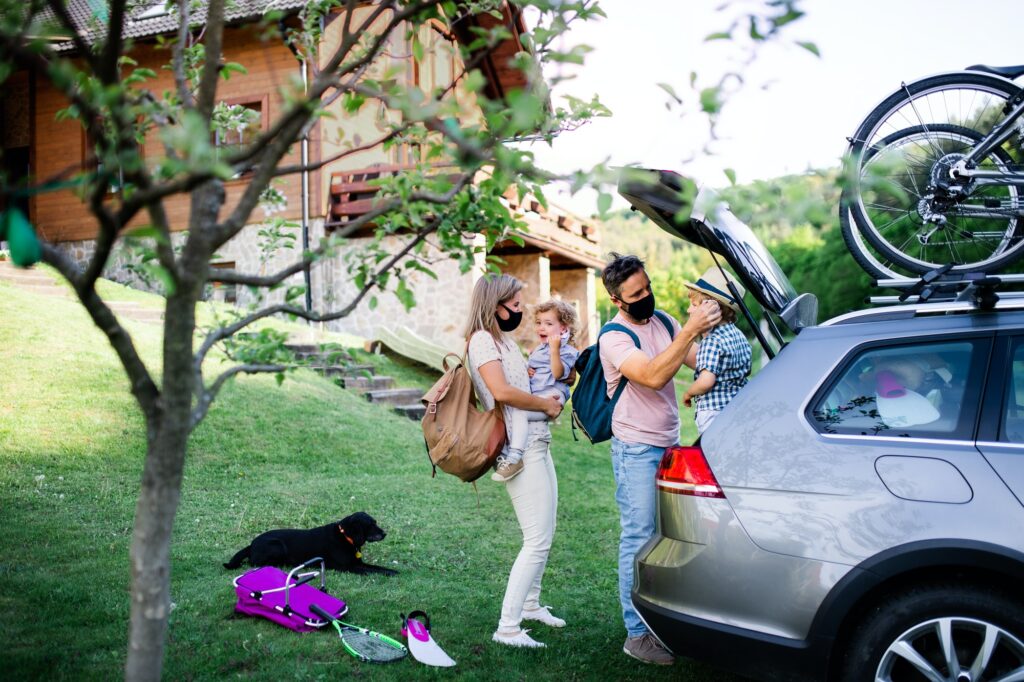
559,255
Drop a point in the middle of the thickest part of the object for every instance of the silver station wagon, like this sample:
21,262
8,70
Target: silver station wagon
855,513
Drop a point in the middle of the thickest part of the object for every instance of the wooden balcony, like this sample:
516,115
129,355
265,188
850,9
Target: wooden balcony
565,238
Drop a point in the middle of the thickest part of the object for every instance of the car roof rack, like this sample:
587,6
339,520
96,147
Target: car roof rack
981,290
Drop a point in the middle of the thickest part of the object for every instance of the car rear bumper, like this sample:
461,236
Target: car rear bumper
746,652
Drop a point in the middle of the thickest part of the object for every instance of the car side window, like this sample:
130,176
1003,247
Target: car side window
1012,430
925,390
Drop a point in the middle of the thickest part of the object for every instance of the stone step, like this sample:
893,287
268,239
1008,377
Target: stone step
342,370
25,277
44,289
134,311
394,396
414,412
307,351
365,383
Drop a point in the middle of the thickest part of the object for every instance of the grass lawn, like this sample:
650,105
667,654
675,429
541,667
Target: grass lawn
299,455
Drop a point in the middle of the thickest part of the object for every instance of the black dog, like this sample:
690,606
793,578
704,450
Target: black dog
338,543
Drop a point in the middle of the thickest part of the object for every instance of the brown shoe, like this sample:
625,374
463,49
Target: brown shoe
648,649
506,470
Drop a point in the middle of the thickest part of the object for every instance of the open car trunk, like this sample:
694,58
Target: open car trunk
700,217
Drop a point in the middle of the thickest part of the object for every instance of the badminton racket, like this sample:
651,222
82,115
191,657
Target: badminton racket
366,645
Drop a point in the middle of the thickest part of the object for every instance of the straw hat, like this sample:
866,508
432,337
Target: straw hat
713,283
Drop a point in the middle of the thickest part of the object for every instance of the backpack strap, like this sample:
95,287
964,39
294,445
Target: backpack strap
667,321
616,327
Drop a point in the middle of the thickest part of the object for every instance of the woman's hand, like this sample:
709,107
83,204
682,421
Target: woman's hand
554,408
530,371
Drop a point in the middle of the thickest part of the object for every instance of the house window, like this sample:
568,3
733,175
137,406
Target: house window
238,122
218,291
91,162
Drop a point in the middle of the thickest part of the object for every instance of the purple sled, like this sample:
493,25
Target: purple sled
284,598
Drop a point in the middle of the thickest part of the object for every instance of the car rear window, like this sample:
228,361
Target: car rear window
927,390
1013,420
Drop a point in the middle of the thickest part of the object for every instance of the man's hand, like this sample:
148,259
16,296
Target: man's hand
554,409
688,399
703,318
530,371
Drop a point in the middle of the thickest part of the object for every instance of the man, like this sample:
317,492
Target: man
645,420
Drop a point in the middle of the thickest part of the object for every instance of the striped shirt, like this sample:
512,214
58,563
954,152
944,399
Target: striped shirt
725,353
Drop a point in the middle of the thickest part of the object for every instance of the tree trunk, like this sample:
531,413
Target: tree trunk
150,552
167,442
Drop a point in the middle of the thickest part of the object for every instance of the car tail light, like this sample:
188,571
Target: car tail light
685,471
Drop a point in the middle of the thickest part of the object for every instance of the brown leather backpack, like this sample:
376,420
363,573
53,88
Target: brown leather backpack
461,439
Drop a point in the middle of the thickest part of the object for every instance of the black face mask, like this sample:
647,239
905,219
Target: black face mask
513,320
642,309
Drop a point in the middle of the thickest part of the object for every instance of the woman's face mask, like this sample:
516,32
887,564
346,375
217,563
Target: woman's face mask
514,318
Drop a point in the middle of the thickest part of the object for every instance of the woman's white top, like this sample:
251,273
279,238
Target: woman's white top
483,349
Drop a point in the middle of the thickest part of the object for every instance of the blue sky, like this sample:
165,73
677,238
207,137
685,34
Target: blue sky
795,110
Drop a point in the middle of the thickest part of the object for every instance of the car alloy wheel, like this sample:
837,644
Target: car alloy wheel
953,649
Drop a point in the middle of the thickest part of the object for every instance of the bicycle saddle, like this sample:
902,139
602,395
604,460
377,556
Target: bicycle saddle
1010,72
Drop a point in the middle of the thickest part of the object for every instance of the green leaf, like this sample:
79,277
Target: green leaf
810,47
754,33
417,49
604,202
671,92
232,67
791,15
148,232
722,35
731,174
373,302
21,238
710,103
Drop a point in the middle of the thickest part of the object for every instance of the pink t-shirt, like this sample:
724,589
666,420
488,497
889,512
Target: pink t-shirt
642,414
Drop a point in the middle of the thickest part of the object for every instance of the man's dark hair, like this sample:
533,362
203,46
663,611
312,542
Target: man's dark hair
618,271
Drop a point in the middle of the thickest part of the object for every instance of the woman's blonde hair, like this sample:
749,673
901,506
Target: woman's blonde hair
490,290
566,313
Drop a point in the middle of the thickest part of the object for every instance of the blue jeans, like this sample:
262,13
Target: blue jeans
635,466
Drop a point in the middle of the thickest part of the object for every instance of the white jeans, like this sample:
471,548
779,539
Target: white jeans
534,494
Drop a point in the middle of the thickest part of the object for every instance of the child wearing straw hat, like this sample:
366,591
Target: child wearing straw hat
723,357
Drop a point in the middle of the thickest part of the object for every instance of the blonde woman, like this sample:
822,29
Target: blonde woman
499,372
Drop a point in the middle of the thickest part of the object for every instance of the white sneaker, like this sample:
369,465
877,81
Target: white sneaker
519,639
543,614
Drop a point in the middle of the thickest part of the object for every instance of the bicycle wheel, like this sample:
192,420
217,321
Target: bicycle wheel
899,192
896,195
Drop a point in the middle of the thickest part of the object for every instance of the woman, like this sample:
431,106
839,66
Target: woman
498,370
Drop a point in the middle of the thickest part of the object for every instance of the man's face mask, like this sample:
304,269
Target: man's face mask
642,309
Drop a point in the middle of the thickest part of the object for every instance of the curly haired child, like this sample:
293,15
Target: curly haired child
549,364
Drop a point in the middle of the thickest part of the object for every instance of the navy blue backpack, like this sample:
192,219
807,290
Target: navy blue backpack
591,407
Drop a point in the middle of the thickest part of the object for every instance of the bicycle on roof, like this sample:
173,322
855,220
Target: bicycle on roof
935,175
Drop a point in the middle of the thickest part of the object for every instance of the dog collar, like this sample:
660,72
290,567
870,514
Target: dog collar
359,555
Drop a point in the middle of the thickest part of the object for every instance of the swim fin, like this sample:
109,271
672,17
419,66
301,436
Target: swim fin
421,645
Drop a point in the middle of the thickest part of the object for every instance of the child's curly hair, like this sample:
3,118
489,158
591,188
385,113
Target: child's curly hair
567,314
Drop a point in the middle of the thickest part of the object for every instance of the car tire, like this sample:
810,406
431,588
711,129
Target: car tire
913,624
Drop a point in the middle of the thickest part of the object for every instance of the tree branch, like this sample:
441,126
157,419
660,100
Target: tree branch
178,59
207,396
214,47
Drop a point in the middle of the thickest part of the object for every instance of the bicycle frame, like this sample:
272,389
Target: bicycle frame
1000,134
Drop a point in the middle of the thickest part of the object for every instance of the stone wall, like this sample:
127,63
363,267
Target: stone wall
576,286
442,305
